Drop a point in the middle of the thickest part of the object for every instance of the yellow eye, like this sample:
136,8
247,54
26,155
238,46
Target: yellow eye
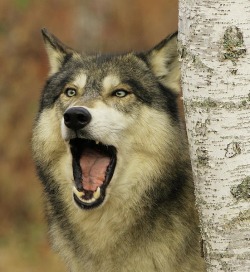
70,92
120,93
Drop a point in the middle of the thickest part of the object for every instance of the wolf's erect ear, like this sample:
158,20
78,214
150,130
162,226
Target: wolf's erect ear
163,59
56,51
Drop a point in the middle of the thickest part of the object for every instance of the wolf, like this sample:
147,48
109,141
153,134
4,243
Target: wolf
112,156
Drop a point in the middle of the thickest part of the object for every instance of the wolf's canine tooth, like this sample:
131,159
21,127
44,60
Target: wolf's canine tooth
77,193
97,193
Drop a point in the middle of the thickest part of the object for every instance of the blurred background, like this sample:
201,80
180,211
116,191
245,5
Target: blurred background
88,25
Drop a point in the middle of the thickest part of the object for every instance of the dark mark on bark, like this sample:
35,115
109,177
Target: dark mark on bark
242,191
233,45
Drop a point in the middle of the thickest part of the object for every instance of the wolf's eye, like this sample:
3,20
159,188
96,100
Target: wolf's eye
70,92
120,93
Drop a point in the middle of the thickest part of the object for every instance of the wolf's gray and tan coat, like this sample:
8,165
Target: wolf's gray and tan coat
133,208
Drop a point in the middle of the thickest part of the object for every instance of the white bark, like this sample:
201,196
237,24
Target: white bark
214,39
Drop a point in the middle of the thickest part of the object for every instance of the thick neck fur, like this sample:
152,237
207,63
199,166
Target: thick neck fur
150,195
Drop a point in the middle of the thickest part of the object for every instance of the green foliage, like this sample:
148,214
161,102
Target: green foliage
22,4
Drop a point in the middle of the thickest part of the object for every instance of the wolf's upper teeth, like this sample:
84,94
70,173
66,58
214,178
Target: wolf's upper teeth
77,193
97,142
97,193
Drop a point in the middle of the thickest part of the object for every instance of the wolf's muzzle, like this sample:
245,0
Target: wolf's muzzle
76,118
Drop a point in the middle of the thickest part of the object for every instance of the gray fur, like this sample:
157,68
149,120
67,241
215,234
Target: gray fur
147,221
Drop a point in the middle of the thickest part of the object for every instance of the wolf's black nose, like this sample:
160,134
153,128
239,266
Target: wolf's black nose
76,118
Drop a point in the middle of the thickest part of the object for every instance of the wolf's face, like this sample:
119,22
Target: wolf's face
114,112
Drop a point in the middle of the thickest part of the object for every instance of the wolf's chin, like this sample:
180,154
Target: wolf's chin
93,167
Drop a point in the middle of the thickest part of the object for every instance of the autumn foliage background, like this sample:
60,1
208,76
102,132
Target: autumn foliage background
89,25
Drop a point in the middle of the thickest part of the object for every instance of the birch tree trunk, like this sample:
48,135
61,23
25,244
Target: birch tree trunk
214,44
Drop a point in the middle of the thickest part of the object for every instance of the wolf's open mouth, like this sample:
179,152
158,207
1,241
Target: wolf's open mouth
93,168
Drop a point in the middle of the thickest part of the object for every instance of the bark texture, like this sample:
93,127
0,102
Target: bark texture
214,45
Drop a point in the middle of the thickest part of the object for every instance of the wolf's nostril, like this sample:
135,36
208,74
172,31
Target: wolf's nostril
66,118
82,118
76,118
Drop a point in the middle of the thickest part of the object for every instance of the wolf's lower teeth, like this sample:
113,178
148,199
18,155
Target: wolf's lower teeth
88,200
80,195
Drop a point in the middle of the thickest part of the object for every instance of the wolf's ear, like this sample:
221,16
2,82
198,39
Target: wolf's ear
56,51
163,59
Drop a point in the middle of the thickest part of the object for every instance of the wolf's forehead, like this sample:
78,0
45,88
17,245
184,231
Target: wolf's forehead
84,79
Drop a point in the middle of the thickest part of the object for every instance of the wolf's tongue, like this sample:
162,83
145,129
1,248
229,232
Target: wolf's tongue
93,165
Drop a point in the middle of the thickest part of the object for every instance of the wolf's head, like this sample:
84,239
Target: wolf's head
107,121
